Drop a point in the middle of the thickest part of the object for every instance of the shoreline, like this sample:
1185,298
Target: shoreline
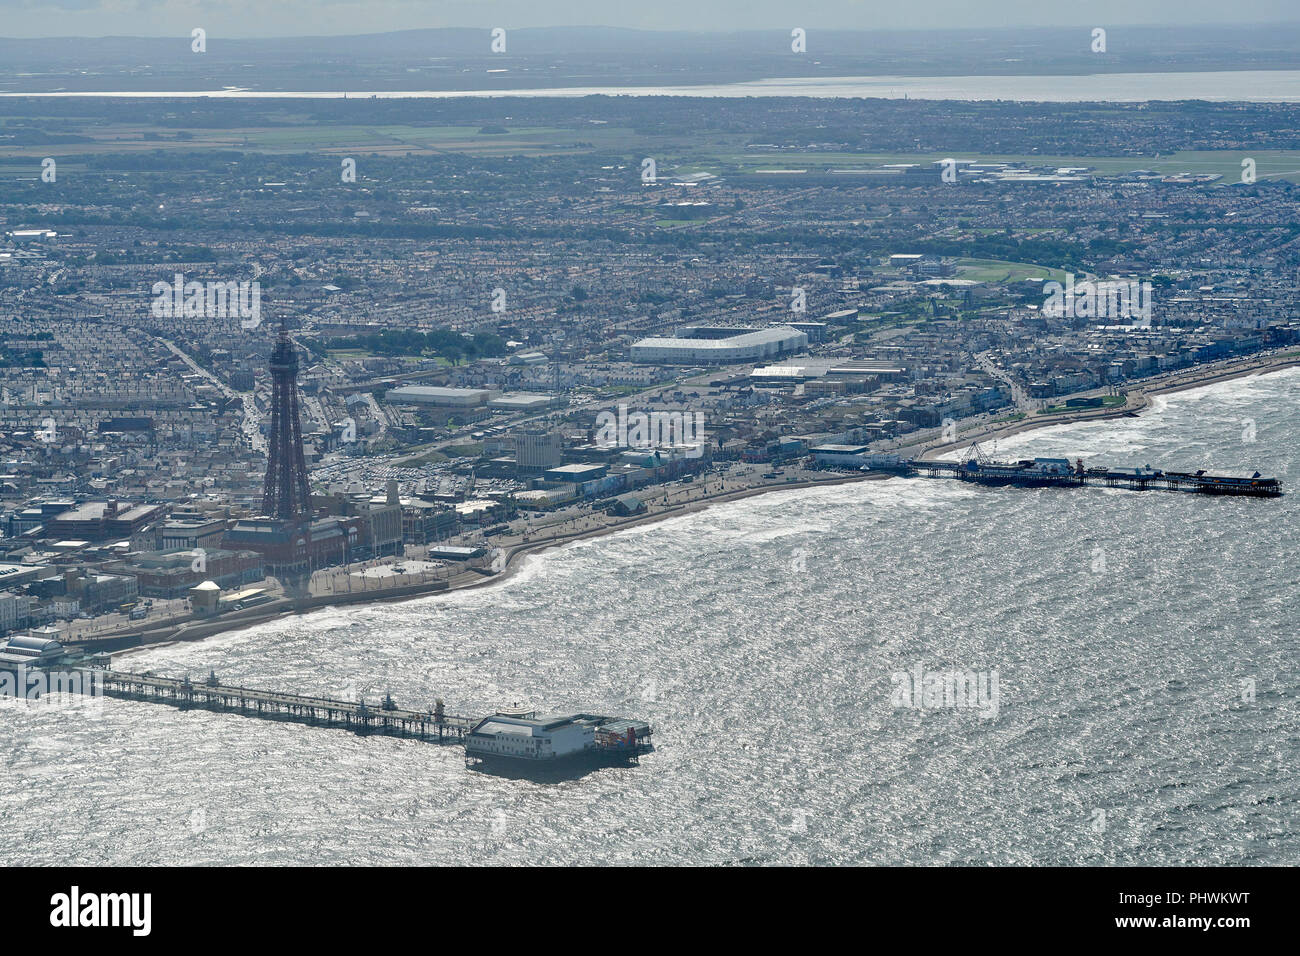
1138,400
512,566
1265,85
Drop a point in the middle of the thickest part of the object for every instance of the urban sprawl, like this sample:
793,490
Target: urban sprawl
513,323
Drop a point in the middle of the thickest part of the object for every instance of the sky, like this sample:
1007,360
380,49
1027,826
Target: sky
266,18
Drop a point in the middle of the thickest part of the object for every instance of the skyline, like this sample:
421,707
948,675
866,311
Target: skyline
231,18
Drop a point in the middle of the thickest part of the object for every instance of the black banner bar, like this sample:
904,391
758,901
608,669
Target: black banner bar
1150,905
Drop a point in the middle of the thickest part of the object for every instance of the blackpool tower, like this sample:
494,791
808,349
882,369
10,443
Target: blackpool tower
292,544
285,493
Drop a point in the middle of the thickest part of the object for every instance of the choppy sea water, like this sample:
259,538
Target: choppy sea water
1145,647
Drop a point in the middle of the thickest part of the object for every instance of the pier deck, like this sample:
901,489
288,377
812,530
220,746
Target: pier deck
319,711
1048,473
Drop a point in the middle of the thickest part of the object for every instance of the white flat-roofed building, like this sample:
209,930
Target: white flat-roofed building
787,372
906,258
747,346
528,358
13,575
546,497
521,402
436,395
530,738
446,552
576,472
851,455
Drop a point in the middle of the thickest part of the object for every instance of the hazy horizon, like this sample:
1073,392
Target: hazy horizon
232,18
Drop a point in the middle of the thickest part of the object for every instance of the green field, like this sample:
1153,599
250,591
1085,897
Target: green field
994,270
678,154
401,139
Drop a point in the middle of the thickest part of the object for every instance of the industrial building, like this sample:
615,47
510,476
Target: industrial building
789,373
30,235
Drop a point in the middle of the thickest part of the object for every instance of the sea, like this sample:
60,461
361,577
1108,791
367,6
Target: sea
1130,662
1260,86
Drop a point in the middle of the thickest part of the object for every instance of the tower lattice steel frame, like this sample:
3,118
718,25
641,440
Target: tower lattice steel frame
285,493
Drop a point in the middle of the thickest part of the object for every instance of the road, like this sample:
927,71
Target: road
1024,402
252,426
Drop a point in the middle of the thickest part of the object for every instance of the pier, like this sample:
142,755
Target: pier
977,468
528,741
387,718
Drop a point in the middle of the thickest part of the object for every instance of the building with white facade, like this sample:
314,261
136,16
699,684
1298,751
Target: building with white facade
537,449
529,738
746,345
435,395
14,610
